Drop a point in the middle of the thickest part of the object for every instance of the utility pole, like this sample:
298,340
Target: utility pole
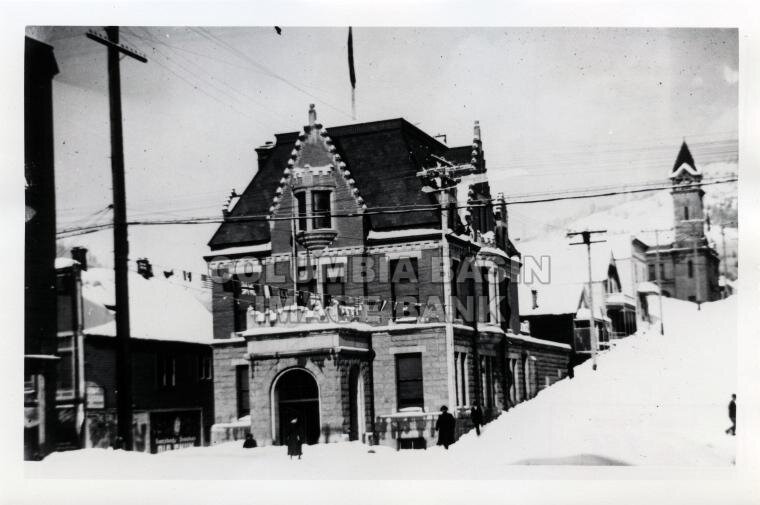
120,239
696,277
586,236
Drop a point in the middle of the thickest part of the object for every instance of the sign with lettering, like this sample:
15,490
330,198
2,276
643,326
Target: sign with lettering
96,396
174,430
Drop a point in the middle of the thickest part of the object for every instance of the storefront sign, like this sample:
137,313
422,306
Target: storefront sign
175,430
96,396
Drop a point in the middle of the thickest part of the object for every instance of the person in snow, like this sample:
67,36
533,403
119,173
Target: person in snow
249,443
732,415
445,427
476,415
294,440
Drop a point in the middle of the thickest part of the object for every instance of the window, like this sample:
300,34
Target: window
460,378
320,207
690,267
166,371
484,308
301,209
205,369
409,381
486,380
652,273
334,283
534,294
686,213
662,270
242,389
405,291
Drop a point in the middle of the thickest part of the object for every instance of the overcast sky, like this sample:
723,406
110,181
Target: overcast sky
559,108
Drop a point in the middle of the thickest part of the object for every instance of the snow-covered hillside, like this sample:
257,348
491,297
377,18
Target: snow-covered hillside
654,401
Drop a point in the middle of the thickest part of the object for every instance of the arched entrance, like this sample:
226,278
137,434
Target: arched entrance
295,395
356,403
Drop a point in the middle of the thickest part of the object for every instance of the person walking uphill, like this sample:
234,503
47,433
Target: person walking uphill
294,440
476,415
445,427
732,415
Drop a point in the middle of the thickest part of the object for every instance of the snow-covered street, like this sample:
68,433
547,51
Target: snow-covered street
654,401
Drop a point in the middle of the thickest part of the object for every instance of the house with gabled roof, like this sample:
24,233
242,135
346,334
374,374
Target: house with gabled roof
362,281
171,362
556,298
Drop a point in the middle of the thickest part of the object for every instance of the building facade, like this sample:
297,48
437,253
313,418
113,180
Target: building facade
378,288
39,272
686,266
172,374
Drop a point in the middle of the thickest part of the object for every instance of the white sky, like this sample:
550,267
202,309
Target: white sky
559,108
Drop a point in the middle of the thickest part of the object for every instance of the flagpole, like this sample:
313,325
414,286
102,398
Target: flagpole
351,72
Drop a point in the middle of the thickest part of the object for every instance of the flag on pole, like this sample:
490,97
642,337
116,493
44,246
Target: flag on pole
351,72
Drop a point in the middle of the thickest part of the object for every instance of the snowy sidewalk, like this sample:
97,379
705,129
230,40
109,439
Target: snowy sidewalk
654,401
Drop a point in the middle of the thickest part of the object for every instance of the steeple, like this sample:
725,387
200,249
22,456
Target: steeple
687,198
685,165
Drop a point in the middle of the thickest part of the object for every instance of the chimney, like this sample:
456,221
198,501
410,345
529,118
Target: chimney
79,254
312,114
477,130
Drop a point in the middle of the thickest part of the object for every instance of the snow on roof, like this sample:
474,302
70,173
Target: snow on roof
647,287
558,273
539,341
159,309
411,232
65,263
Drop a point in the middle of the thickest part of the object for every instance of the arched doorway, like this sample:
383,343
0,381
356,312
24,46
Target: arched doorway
356,403
295,395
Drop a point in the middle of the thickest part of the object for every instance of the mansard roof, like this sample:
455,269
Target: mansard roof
383,158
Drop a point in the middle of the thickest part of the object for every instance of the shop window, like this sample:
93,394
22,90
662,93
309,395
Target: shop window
409,381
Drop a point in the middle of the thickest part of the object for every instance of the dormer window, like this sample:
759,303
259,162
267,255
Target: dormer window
320,206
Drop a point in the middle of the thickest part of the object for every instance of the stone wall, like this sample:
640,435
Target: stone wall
227,356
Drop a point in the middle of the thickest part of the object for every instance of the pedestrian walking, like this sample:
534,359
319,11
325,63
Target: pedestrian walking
476,415
445,426
294,439
732,415
250,442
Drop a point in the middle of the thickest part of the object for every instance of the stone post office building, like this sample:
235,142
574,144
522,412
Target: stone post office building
363,280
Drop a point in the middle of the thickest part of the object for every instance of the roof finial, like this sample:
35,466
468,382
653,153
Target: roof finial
477,130
312,114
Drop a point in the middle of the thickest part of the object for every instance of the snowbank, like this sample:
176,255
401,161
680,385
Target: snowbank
654,401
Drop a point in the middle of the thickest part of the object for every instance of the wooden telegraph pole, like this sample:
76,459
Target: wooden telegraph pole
120,241
586,235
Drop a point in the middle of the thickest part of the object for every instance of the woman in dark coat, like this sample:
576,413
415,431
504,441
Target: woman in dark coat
445,426
294,440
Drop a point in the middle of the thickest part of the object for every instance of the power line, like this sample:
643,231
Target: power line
390,210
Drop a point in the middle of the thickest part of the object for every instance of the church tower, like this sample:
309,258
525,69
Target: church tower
687,199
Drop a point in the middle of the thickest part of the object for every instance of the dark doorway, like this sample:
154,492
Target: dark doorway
297,397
